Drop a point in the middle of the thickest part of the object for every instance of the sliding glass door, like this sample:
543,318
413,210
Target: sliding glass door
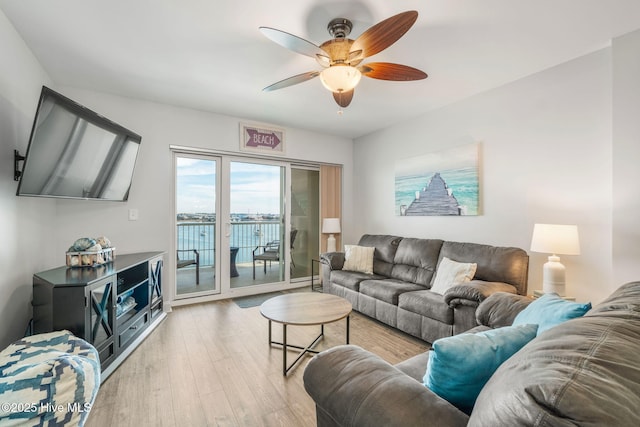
232,234
305,220
257,212
197,227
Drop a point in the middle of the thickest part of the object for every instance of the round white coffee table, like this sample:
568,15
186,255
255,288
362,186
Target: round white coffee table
307,309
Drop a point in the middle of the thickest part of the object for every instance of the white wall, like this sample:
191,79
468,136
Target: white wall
25,228
545,157
161,126
36,232
626,157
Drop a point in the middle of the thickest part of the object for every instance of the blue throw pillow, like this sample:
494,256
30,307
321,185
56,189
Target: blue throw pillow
460,366
550,310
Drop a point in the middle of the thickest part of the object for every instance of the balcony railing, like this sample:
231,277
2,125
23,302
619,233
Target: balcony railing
245,235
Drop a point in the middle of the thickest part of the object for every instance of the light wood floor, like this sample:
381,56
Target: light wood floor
210,364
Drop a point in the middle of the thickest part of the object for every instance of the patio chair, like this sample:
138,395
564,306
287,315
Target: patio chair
189,261
270,252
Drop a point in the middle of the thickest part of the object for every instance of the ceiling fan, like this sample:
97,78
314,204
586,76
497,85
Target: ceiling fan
341,57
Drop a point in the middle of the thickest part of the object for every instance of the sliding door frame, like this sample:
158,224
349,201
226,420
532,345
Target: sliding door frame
315,255
219,265
226,291
284,222
224,211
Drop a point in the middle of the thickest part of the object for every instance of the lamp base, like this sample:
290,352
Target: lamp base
331,243
553,276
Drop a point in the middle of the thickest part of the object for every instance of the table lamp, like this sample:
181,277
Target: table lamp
331,226
556,240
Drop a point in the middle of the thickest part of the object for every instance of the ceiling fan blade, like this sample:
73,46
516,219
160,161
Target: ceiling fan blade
292,81
292,42
384,33
390,71
343,99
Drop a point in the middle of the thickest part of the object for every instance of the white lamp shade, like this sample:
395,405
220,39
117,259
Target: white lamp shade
331,225
555,239
340,78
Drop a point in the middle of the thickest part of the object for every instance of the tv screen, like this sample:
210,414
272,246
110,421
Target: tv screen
76,153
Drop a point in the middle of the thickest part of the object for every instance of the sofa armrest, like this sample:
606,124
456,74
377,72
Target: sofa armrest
500,309
334,260
353,387
474,292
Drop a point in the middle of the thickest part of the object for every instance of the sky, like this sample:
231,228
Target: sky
255,188
460,157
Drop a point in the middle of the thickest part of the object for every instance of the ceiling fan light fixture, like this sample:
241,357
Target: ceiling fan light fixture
340,77
341,58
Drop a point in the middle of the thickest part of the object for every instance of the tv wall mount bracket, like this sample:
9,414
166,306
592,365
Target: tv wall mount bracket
17,158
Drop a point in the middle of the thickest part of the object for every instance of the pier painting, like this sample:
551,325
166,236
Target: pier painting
443,183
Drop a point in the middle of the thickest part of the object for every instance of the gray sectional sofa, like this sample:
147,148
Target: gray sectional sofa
397,293
583,372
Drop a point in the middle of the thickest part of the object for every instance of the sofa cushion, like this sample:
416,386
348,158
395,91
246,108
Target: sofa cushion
415,260
451,273
427,304
459,366
414,366
386,247
550,310
387,290
358,258
354,387
495,264
351,279
623,303
582,372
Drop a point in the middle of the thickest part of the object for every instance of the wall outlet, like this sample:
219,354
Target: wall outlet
133,214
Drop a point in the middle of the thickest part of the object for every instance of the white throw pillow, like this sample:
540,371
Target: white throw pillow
451,273
358,258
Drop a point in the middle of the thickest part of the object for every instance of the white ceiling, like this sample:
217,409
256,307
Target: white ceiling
209,55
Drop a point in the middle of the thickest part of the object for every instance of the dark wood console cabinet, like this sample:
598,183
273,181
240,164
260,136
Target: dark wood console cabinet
114,306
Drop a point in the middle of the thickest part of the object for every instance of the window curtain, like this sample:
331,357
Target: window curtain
330,201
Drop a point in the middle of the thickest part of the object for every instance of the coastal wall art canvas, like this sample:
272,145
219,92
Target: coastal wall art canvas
443,183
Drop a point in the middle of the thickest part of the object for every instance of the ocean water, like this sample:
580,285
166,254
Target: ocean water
463,182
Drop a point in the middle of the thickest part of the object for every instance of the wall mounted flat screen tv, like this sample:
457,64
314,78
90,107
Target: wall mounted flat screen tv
76,153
